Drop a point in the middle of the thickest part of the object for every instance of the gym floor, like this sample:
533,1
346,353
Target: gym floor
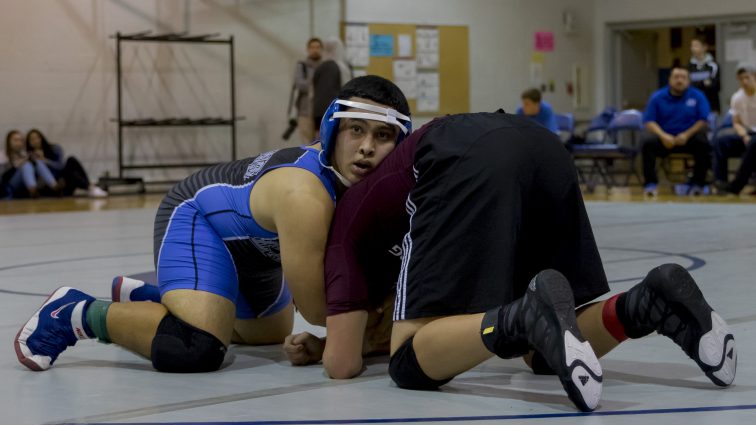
84,243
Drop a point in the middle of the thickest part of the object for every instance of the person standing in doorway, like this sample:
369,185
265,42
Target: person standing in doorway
704,72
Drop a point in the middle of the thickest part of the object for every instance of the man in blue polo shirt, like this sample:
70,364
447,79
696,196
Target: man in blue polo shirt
537,109
676,120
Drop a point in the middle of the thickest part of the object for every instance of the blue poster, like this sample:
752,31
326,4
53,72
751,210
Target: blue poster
381,45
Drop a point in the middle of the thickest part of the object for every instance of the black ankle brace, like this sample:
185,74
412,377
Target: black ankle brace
505,343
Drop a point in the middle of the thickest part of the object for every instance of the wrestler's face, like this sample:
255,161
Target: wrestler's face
362,144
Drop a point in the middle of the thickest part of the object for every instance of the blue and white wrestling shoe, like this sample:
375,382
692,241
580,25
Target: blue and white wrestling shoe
125,289
58,324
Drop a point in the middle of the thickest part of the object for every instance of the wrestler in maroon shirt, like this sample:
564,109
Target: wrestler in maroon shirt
497,252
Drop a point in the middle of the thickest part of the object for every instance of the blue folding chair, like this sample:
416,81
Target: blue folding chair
596,132
604,152
626,122
724,127
711,120
565,125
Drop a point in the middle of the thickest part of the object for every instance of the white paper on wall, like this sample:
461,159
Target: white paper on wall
427,60
405,69
428,91
427,79
536,74
405,45
426,40
408,87
358,55
357,42
405,77
357,35
738,49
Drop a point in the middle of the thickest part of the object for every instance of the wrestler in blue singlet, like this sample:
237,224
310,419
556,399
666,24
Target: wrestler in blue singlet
206,238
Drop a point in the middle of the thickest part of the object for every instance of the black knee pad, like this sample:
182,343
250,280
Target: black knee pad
406,372
179,347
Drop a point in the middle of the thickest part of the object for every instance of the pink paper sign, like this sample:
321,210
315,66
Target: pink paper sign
544,41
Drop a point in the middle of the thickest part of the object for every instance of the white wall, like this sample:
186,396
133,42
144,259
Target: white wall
57,71
501,41
641,11
57,62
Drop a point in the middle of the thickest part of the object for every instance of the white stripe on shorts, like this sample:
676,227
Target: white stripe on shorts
401,286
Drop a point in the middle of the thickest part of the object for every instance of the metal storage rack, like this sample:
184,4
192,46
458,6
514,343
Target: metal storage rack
167,122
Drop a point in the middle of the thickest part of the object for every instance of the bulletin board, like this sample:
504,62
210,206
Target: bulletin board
431,64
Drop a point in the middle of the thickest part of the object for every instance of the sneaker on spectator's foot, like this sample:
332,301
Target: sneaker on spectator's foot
545,316
698,190
125,289
669,302
96,192
58,324
650,190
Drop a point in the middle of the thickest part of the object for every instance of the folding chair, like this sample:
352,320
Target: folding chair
603,152
566,126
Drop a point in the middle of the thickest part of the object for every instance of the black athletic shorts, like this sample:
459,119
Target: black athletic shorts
496,201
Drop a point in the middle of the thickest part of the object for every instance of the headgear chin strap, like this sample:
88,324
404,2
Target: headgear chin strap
338,175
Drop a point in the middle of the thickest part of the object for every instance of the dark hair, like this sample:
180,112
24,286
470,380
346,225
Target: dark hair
531,94
701,39
674,67
744,70
377,89
46,148
314,40
7,141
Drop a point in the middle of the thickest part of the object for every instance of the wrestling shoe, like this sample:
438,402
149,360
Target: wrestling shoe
669,302
55,326
125,289
545,317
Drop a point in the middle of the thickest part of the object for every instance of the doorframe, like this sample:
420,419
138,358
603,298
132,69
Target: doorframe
612,44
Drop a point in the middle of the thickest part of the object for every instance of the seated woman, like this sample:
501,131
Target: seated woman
26,175
69,170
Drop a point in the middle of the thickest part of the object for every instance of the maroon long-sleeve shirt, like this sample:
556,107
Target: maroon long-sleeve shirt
364,251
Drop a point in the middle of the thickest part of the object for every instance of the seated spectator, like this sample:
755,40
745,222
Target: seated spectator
743,142
69,170
27,175
536,108
676,120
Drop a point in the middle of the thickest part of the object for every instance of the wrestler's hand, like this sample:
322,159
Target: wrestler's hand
303,348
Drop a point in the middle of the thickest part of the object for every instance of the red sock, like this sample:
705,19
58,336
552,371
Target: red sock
611,321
